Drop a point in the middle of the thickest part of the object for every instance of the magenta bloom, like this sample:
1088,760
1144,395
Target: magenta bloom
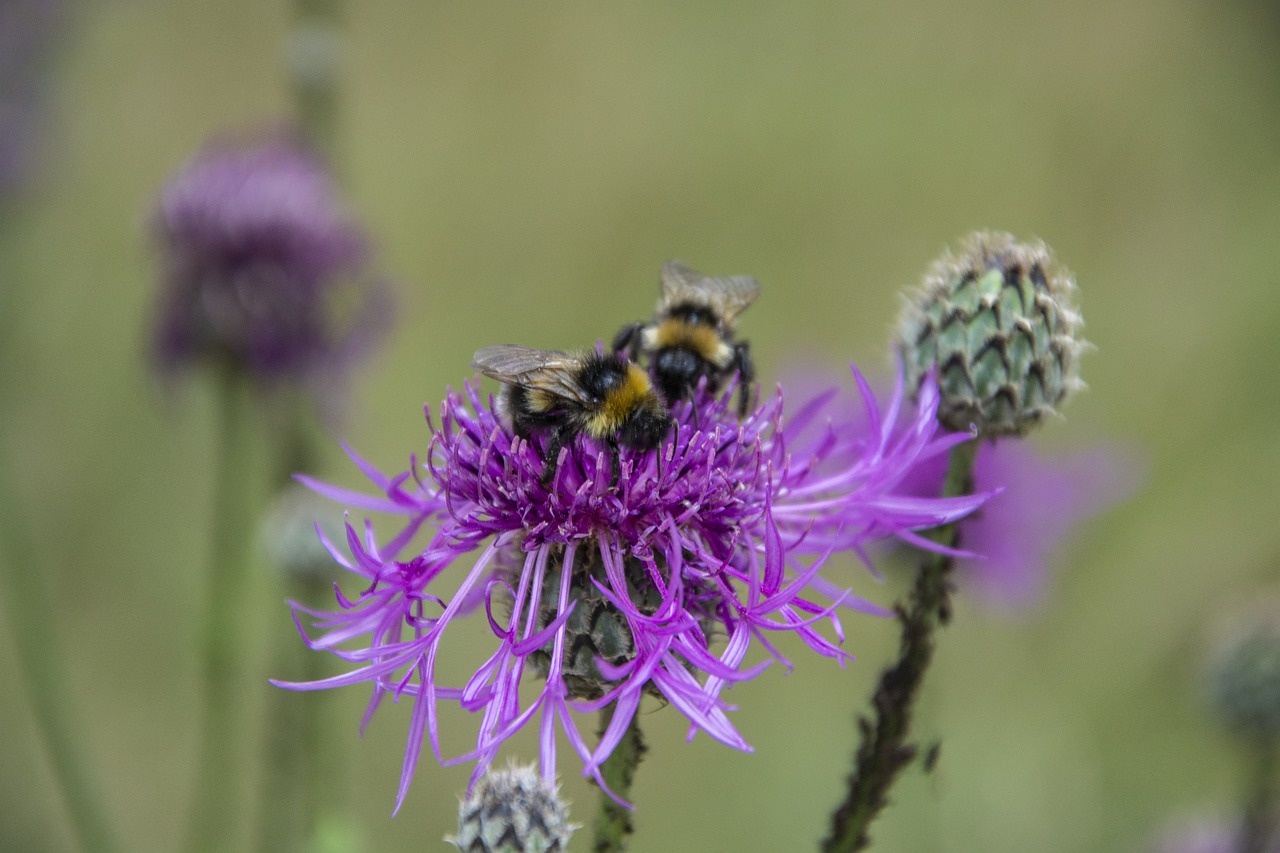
695,555
1043,499
259,258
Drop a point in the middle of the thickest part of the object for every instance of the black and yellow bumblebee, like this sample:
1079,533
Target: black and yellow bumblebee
602,395
691,334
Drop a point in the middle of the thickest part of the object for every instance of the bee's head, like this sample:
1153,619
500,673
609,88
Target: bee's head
645,428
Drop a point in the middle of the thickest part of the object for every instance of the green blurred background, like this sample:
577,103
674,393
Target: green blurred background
525,169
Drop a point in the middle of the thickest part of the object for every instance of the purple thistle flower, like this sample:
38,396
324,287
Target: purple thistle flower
259,255
1043,498
719,535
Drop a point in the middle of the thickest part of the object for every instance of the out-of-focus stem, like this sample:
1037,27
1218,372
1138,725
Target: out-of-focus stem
314,56
613,822
221,655
307,762
28,610
1260,811
884,750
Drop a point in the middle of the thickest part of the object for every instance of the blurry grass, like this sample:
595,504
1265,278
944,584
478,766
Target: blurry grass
525,170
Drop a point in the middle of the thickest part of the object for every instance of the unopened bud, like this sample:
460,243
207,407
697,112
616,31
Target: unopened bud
998,322
513,811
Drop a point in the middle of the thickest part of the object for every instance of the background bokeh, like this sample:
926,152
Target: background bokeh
525,169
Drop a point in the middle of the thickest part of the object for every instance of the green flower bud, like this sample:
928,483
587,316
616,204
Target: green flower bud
1244,676
289,534
998,322
513,811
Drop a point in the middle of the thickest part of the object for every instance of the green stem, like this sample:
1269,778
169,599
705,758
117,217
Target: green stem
221,656
1260,814
314,59
613,822
304,781
884,750
28,608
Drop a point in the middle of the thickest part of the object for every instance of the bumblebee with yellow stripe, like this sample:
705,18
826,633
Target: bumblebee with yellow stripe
604,396
691,334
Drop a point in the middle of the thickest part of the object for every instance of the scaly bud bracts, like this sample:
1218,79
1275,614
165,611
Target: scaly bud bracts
998,322
513,811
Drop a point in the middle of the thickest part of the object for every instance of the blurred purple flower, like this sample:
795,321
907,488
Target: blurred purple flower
720,534
260,261
1044,498
28,30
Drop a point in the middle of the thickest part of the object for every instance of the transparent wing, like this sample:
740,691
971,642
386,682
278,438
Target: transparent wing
551,371
727,296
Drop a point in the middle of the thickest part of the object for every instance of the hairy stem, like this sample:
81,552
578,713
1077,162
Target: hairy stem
217,769
885,748
613,822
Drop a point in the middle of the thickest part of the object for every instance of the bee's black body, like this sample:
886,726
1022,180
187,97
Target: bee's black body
691,335
605,396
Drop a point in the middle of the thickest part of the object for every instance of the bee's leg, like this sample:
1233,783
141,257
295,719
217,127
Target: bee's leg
746,375
615,456
628,338
557,441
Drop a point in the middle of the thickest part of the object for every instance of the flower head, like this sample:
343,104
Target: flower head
513,811
713,541
260,259
997,321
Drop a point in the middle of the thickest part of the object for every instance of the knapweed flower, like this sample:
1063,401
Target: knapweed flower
513,811
997,322
714,540
262,267
1044,497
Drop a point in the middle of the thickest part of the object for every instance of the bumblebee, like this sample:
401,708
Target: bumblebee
603,395
691,334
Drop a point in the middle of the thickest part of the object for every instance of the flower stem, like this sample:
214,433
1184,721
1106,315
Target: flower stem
884,750
217,780
314,58
613,821
40,661
1260,813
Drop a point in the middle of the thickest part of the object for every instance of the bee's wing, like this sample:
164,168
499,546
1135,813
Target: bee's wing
543,370
728,296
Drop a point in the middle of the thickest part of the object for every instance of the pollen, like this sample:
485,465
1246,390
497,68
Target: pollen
702,340
634,392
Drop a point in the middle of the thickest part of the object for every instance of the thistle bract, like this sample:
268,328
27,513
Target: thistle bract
513,811
599,590
997,322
